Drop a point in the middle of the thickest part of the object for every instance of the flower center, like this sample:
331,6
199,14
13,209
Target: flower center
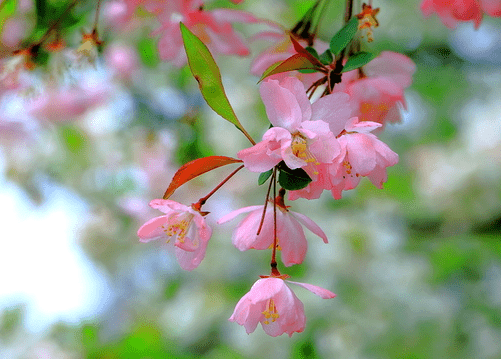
179,226
300,149
270,312
348,169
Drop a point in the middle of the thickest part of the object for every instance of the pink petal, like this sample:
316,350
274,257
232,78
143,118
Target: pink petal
335,109
152,229
282,107
321,292
261,157
167,205
228,217
312,226
360,152
491,7
292,240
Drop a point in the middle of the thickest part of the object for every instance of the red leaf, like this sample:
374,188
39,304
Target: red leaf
301,50
295,62
194,169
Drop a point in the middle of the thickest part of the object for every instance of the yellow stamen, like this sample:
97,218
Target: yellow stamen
300,149
270,312
179,226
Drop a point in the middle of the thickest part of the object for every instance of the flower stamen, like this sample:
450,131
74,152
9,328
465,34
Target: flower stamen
300,149
270,312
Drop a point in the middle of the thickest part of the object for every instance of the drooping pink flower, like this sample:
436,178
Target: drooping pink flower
214,28
273,304
377,91
362,155
300,136
453,11
183,223
290,235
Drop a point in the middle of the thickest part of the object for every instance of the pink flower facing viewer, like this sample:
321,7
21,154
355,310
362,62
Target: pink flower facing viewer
301,136
290,235
453,11
377,93
271,302
213,27
184,223
362,155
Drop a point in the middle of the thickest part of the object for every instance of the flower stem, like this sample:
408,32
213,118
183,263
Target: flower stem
273,263
96,19
202,200
272,179
55,24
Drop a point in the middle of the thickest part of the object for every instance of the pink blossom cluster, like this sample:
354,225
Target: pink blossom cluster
333,147
453,11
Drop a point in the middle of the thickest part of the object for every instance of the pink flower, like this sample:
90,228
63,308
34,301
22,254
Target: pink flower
214,28
300,136
185,224
271,302
377,93
58,105
453,11
290,234
362,155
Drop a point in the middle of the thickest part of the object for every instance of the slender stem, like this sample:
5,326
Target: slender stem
54,25
266,203
97,15
202,200
348,11
247,135
275,239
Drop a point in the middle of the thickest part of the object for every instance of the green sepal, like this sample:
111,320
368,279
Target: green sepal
312,51
344,36
263,177
292,180
326,58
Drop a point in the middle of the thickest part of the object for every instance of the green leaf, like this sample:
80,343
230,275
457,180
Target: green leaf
326,58
292,179
264,176
358,60
7,9
344,36
204,69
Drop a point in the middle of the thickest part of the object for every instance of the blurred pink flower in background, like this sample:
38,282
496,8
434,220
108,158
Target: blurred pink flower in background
378,88
290,234
13,32
62,104
453,11
123,60
213,27
273,304
184,223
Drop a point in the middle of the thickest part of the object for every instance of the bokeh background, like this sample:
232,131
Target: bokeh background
416,266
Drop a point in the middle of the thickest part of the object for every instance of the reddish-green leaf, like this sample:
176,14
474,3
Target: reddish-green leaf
295,62
301,50
194,169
